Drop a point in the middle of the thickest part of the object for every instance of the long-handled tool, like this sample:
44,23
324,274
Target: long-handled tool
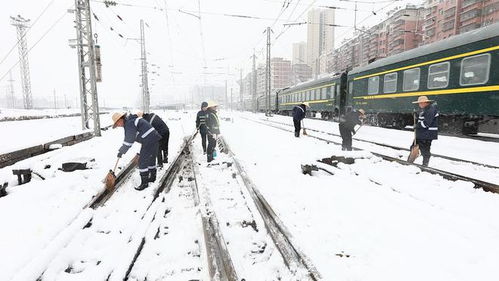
414,148
303,125
111,176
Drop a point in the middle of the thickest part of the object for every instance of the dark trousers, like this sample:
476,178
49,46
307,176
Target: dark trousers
297,124
346,136
147,159
424,147
163,147
211,147
203,134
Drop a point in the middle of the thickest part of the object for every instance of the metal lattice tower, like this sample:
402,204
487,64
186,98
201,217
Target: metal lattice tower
11,91
21,24
146,99
86,67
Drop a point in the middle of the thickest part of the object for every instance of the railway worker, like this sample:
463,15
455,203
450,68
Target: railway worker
160,126
139,130
347,127
299,113
426,127
213,128
201,124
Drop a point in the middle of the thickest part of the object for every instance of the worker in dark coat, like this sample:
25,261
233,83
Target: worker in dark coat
139,130
299,113
347,127
213,126
160,126
426,127
201,124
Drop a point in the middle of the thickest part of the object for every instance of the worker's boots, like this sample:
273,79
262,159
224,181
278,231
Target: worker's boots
144,181
152,175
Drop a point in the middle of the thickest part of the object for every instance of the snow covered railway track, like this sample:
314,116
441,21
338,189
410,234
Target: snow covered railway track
102,241
249,232
293,257
389,146
13,157
479,184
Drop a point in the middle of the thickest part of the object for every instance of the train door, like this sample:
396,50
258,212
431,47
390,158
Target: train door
343,92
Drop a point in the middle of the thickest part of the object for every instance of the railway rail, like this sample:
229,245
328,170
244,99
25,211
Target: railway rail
391,146
487,186
13,157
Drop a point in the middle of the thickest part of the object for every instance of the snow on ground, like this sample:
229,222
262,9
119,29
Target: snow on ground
9,112
22,134
35,215
462,168
372,220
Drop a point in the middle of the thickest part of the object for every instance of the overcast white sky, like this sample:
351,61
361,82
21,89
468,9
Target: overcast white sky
228,42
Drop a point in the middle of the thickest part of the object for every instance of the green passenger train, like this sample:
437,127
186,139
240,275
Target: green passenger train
460,73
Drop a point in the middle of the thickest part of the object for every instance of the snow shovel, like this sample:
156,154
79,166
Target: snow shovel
414,147
303,125
111,177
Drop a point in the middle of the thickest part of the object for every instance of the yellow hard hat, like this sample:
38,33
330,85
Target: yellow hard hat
422,99
117,116
306,104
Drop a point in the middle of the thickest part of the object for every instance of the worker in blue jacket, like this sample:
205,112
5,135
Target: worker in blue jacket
160,126
213,127
347,125
201,124
139,130
299,113
426,127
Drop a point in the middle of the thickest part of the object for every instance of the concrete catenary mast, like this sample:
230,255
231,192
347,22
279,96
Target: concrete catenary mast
146,99
21,24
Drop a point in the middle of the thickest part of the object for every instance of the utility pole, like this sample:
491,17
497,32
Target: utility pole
241,89
146,99
21,24
254,83
11,90
231,100
55,100
268,71
226,99
89,102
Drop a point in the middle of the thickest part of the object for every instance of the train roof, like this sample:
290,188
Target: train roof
307,84
454,41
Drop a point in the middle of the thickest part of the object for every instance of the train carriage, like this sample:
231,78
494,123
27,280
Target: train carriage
323,95
459,73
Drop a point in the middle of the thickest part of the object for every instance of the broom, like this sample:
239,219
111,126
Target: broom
414,148
303,125
111,177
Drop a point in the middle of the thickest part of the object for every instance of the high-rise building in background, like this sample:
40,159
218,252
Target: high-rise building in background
281,75
299,53
320,36
442,19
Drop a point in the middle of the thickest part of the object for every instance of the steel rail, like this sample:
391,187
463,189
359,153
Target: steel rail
392,146
487,186
293,257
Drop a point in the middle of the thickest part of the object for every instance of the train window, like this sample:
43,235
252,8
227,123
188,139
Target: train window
350,87
438,75
372,85
411,79
390,83
475,70
328,92
337,89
